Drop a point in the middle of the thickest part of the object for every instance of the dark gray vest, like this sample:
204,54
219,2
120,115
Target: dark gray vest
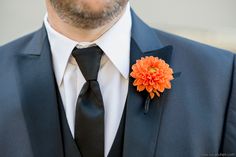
69,145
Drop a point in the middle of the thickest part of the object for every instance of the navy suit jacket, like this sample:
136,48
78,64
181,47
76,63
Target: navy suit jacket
197,117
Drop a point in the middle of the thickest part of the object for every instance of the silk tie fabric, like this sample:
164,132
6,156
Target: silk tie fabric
89,118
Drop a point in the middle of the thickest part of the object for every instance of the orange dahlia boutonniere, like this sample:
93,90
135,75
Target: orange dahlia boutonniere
153,75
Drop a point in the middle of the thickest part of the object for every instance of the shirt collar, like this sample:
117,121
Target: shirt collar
115,43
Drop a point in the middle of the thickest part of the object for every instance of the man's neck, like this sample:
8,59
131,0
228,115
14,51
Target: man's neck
77,34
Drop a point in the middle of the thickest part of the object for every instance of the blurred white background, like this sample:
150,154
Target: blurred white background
208,21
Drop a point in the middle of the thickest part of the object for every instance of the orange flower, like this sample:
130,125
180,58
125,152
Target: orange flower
152,74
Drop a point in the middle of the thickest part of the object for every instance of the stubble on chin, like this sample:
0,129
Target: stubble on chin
84,17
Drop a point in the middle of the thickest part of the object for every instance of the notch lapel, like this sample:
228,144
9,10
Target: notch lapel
142,130
38,97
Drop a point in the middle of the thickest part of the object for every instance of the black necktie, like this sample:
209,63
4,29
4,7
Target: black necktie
89,119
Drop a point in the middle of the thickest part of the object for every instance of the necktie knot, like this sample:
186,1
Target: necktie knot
88,60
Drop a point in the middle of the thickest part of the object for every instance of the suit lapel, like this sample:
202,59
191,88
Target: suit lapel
38,97
142,130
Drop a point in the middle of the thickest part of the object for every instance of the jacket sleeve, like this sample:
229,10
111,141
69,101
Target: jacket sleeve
229,136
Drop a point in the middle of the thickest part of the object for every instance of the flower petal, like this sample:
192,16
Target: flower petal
152,74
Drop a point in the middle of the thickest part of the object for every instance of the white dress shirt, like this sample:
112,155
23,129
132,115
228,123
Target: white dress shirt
113,73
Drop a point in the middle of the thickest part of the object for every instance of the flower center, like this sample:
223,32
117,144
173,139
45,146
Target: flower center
152,69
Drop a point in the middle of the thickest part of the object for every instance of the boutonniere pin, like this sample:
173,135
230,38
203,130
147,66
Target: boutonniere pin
152,75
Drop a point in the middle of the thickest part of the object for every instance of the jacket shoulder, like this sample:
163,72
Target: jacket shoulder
200,64
15,46
10,52
185,46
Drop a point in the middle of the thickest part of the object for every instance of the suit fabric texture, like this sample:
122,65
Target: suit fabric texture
196,117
